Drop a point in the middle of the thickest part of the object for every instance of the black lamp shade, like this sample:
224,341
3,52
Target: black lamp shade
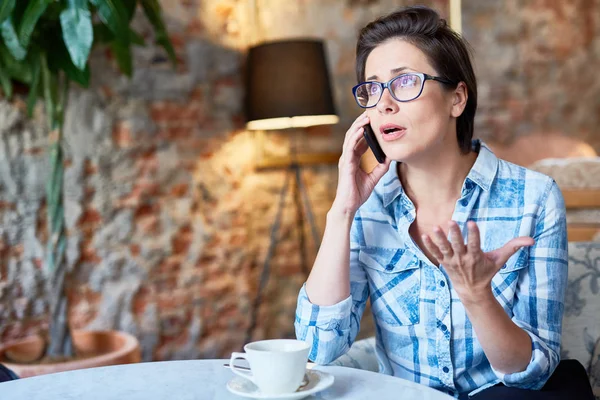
288,81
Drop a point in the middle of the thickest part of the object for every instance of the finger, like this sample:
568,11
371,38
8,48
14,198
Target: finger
356,146
441,242
361,147
358,123
380,170
353,135
353,138
432,247
456,238
473,241
501,255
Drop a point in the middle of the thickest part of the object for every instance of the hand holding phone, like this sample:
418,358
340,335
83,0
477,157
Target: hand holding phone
354,184
369,136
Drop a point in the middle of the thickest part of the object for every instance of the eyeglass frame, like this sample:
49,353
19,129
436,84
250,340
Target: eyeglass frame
383,85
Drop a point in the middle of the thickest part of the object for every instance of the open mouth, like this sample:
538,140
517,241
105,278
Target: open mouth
388,131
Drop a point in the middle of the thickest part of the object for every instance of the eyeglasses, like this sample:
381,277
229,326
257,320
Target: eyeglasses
403,88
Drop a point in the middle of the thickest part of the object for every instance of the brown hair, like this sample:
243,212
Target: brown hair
448,53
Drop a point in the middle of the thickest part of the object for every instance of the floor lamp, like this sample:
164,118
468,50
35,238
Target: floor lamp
287,88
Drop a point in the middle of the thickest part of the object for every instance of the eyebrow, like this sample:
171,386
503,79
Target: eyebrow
393,71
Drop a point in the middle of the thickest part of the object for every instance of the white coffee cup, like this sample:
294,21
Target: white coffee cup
277,366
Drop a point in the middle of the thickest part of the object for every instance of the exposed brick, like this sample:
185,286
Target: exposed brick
172,265
121,135
149,225
141,300
180,190
90,217
146,210
134,249
168,112
165,283
173,301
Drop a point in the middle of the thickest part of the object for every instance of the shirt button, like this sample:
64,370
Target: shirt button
444,327
464,202
442,283
445,369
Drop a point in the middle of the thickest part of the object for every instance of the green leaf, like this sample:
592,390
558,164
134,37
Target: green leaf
78,33
122,53
49,82
12,41
103,35
81,4
6,83
130,6
32,14
152,10
33,88
58,59
136,38
19,70
6,7
114,15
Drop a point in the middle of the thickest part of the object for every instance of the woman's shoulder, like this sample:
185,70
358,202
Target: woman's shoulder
524,183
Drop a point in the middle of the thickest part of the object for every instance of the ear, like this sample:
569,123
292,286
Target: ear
459,100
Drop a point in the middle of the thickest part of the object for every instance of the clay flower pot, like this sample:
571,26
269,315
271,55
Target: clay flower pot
97,348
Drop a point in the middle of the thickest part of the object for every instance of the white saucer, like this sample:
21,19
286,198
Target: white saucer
317,381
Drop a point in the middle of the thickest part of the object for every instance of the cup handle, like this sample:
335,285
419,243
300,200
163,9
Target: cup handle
244,374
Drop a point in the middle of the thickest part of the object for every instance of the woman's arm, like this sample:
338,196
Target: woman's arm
539,298
523,350
331,320
331,303
506,346
329,279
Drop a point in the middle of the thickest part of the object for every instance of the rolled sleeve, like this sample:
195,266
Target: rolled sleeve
542,364
539,302
326,328
322,317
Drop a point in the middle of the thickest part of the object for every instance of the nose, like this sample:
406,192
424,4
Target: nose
387,104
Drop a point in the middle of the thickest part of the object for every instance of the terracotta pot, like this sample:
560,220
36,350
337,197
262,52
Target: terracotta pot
108,347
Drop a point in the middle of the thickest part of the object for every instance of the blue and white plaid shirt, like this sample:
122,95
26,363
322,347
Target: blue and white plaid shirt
423,332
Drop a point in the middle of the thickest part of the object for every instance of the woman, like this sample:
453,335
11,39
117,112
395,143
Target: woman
463,255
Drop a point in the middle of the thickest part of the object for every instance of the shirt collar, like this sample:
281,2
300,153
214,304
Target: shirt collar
484,170
482,173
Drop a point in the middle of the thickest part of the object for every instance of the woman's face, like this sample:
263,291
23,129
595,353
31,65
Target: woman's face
426,124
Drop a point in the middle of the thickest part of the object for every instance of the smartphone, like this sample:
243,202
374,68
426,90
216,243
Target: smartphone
373,143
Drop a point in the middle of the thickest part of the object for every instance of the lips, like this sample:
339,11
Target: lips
390,128
391,131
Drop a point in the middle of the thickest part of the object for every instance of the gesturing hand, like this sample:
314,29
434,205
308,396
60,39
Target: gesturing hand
468,267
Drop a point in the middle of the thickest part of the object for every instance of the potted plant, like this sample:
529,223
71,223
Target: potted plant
44,46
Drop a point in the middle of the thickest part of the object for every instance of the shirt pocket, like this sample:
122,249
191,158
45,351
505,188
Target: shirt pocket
394,285
504,284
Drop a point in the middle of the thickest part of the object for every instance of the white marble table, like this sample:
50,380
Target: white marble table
196,380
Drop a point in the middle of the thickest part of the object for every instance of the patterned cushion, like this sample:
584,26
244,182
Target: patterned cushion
581,325
571,173
595,371
361,356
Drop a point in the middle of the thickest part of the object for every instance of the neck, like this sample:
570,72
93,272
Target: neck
436,179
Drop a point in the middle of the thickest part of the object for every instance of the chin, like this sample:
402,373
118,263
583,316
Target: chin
402,153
